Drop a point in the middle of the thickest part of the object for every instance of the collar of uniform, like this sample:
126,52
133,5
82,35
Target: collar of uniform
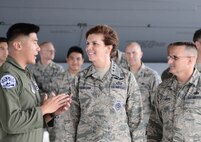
142,67
193,80
198,66
195,77
68,75
12,61
114,70
140,71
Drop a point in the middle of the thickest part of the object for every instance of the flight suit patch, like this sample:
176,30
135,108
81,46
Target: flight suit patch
8,81
34,86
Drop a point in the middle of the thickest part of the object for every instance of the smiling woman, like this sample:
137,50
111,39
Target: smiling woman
107,102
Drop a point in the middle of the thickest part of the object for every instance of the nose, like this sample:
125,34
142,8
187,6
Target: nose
88,47
131,55
74,60
38,48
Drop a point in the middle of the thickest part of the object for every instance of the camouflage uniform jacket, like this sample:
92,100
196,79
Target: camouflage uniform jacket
176,115
103,110
43,74
148,81
59,84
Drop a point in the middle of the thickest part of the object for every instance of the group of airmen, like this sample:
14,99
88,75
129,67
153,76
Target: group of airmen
116,99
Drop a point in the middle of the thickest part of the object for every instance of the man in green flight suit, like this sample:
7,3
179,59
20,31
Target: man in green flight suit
23,113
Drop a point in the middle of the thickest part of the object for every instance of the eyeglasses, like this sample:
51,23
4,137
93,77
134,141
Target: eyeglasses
175,58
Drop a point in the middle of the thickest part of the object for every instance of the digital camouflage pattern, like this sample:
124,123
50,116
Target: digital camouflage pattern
43,74
176,112
103,110
166,74
120,59
59,84
148,81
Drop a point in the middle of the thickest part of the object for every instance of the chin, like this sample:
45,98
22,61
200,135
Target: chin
171,71
33,62
90,59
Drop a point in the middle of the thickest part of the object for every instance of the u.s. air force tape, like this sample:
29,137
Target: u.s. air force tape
8,81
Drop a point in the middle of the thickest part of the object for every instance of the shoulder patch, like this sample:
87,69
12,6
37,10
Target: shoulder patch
8,81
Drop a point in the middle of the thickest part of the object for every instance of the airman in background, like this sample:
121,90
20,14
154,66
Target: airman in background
147,78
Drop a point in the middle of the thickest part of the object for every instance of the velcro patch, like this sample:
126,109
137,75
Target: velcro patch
8,81
118,106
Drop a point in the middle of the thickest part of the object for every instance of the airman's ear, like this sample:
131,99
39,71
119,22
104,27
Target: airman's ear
110,48
191,60
17,45
141,54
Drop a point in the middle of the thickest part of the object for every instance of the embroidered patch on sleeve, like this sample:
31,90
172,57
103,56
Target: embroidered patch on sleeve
8,81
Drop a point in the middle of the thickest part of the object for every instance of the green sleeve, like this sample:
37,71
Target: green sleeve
15,118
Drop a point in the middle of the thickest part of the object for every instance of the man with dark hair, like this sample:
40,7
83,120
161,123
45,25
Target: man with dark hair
197,35
23,113
76,49
61,83
177,104
3,50
197,41
74,59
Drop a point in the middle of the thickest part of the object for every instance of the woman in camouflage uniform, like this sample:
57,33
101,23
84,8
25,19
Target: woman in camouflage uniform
107,105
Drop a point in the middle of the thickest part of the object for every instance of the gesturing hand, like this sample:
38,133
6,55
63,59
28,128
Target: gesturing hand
53,103
65,107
